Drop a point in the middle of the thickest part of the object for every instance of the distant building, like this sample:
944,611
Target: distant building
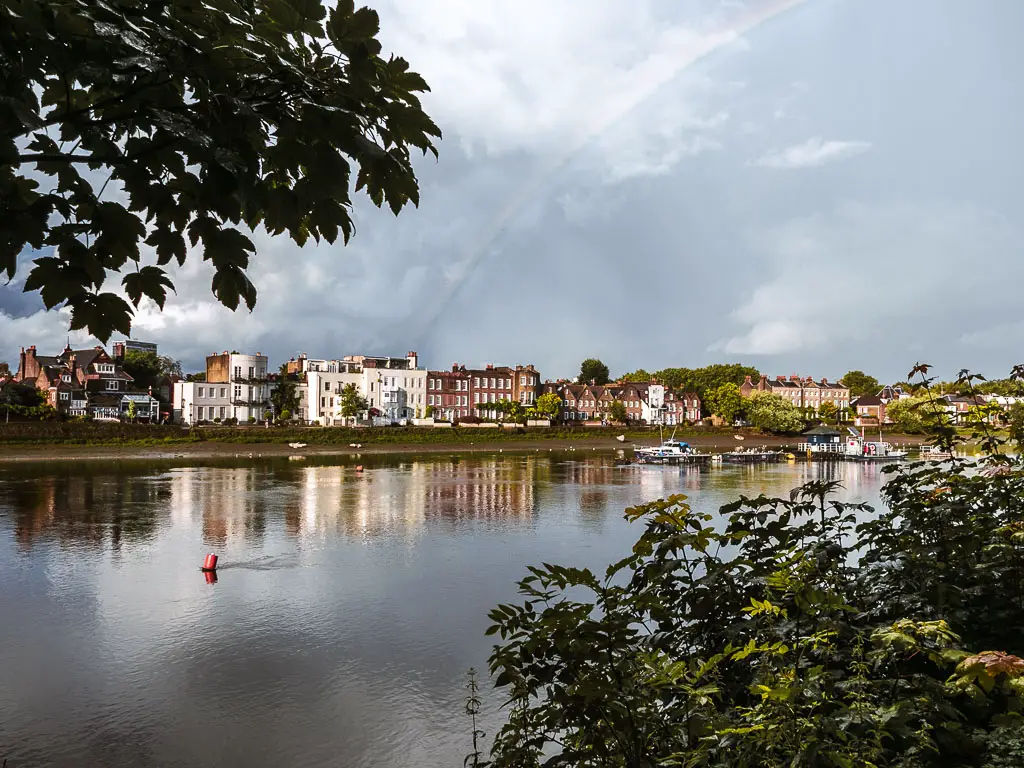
802,392
132,345
644,403
80,382
236,387
869,411
395,388
464,392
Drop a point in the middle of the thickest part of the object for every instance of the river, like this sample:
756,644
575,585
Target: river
347,607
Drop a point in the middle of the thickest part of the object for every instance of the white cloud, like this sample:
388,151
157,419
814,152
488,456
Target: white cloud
872,274
812,153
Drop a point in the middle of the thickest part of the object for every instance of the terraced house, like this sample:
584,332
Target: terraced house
645,403
803,392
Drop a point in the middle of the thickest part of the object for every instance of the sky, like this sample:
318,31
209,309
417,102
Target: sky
806,186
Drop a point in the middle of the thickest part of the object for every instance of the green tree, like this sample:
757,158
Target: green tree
132,411
639,375
21,394
429,412
352,403
593,370
211,117
285,395
772,413
200,376
1015,422
147,369
617,412
678,379
549,406
725,401
828,411
860,384
911,415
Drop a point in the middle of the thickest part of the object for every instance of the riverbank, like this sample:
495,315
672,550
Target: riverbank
12,452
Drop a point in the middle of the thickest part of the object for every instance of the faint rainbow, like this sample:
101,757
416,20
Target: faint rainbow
654,73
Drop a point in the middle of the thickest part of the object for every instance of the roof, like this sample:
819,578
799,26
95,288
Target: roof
140,397
868,400
823,430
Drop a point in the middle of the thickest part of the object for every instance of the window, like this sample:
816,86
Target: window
199,391
492,384
323,402
65,395
476,397
522,381
238,372
222,410
223,391
199,413
238,392
476,381
327,386
252,372
113,385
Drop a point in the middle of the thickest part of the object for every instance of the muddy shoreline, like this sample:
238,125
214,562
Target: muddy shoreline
213,450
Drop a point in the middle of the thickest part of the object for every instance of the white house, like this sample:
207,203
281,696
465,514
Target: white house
393,387
236,387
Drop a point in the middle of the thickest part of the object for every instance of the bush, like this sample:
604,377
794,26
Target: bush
252,419
784,632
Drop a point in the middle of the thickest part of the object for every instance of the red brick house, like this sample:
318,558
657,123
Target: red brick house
461,392
78,382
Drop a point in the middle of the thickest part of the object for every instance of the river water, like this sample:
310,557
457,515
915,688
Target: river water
346,610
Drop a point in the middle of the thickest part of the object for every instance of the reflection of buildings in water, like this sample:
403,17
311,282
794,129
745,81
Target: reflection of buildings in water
227,501
337,499
487,489
597,471
82,509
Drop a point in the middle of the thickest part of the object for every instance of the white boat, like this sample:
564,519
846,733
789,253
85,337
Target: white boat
860,449
670,451
296,445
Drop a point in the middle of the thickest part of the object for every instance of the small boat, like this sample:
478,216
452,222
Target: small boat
670,451
296,445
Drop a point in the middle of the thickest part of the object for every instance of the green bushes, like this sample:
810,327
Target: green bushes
783,632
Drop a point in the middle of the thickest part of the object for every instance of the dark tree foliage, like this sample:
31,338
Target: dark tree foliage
860,384
212,117
593,370
285,395
785,632
148,368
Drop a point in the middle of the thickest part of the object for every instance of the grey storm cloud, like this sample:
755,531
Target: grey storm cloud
804,186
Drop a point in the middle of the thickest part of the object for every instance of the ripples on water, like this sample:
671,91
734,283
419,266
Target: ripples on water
347,607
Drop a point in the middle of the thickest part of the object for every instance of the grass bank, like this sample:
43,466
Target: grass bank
143,435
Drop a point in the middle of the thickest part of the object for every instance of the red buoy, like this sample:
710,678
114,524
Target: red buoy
210,563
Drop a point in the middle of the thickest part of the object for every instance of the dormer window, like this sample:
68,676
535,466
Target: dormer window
112,385
66,378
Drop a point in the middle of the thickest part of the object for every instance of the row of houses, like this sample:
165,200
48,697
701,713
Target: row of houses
803,392
87,382
873,410
397,389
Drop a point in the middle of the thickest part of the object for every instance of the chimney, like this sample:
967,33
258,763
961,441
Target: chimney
746,380
119,351
21,363
455,367
489,367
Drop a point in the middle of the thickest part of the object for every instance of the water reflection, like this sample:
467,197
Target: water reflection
345,610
